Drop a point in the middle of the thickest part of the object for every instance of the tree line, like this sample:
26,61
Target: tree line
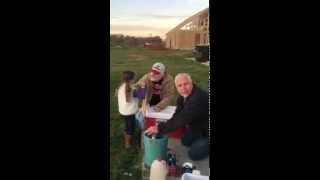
125,40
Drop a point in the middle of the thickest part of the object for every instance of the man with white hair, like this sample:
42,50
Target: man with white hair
192,112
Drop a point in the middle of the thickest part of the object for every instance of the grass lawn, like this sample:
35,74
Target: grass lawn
140,61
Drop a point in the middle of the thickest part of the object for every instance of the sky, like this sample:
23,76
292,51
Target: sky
151,17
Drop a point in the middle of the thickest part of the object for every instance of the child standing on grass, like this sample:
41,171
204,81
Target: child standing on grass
128,106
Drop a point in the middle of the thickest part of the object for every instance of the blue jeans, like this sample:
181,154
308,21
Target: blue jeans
199,145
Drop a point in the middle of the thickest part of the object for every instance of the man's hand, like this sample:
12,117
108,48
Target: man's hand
152,130
157,109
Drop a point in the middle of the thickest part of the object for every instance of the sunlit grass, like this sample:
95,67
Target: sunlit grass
140,61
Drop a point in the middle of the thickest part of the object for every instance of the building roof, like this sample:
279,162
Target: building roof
188,20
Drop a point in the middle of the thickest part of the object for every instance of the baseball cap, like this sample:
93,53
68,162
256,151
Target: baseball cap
158,68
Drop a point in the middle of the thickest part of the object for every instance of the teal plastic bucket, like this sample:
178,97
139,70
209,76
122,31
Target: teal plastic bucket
154,148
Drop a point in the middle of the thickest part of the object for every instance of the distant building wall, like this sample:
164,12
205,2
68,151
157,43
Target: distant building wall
191,32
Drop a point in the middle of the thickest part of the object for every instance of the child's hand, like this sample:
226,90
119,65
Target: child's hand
135,86
143,84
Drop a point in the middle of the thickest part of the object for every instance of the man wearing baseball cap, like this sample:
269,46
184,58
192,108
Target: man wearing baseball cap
159,86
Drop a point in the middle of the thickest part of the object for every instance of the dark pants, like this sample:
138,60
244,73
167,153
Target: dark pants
130,124
199,145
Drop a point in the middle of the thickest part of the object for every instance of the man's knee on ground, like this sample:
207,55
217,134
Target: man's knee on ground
188,138
186,141
199,150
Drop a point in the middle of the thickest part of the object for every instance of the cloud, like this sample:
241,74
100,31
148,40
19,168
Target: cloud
134,28
197,1
124,18
159,16
147,17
